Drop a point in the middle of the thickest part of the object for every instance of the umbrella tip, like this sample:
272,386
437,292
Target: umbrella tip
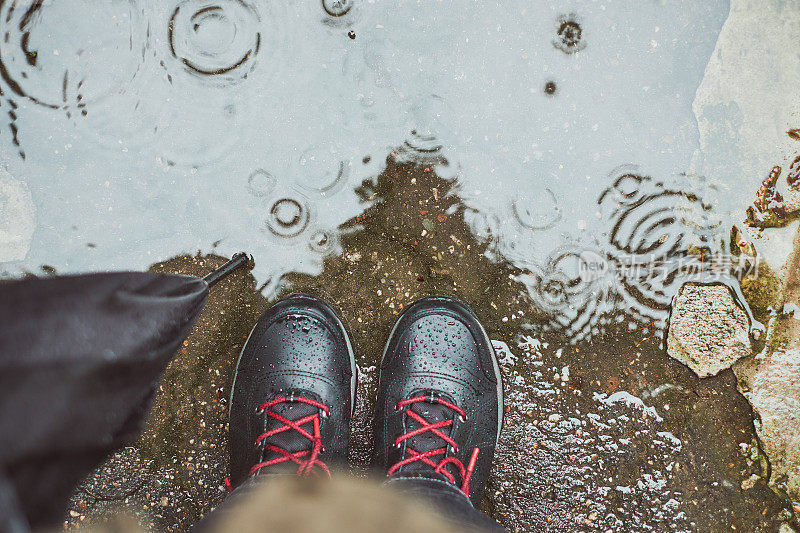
237,261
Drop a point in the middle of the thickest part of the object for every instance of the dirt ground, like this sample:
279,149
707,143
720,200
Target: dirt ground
608,434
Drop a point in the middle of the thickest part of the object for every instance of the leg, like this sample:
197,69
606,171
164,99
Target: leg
288,504
440,408
446,499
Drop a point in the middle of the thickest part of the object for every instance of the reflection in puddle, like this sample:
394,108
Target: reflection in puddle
184,96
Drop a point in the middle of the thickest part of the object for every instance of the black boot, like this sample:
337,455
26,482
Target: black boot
440,398
293,393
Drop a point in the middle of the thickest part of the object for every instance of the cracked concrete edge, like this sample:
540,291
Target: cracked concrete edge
770,381
702,337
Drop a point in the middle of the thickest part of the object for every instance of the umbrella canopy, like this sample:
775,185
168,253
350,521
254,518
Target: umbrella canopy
80,359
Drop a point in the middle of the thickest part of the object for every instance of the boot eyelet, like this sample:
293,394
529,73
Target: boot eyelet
455,450
396,407
259,411
463,418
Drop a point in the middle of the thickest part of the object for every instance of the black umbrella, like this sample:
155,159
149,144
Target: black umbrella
80,359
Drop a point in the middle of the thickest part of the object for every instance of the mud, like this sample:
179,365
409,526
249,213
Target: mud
603,434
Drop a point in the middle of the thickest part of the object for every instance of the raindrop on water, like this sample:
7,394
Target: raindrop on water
569,34
261,183
215,39
287,217
320,241
337,8
537,212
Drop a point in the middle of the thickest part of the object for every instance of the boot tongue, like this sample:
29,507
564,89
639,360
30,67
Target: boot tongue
290,439
432,412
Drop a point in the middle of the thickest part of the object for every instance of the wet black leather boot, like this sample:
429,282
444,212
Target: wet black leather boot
293,393
440,398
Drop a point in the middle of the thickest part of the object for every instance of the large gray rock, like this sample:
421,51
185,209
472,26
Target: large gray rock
771,381
771,384
707,332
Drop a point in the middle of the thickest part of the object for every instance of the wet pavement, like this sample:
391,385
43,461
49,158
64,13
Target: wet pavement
637,444
563,167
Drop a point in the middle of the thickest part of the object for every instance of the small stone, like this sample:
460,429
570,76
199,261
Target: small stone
707,332
750,482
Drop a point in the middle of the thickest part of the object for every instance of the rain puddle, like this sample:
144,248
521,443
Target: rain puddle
563,167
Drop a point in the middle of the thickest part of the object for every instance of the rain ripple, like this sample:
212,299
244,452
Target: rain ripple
656,237
219,39
63,57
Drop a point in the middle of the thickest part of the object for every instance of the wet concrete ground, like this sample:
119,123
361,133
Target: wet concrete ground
609,434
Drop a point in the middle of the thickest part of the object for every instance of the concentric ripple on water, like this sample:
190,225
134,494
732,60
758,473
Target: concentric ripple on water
421,148
337,8
539,211
65,56
573,301
658,236
324,168
260,183
215,38
655,237
287,217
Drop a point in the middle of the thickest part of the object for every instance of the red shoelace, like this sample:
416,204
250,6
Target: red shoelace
306,465
428,456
